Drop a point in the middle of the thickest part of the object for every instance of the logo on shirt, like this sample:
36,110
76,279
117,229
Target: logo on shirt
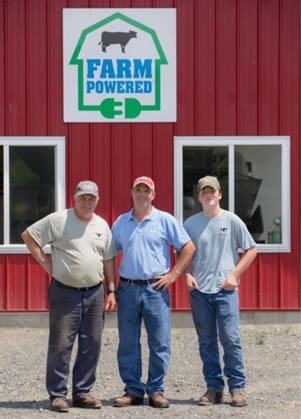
98,236
223,231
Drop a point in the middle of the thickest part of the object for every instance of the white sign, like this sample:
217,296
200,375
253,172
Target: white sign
119,65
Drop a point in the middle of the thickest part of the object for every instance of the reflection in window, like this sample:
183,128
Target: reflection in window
199,162
31,187
252,172
1,195
258,192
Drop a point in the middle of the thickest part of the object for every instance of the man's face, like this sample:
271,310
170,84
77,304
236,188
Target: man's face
142,196
209,197
85,205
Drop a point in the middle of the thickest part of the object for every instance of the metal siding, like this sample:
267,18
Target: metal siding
2,72
247,64
225,50
101,166
15,67
205,68
238,73
289,124
35,67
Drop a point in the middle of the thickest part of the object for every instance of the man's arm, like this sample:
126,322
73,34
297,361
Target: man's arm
37,252
182,260
245,261
109,271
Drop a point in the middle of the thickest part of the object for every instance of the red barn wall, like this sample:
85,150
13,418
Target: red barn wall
238,73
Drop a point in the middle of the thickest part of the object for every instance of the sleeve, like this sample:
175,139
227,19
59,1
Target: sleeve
116,235
244,240
186,227
42,231
176,234
110,250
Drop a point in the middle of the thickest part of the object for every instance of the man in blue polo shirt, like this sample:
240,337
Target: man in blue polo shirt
144,235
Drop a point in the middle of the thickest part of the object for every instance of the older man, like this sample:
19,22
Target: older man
82,254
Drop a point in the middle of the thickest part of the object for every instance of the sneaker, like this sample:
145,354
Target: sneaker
211,397
87,402
238,398
128,399
59,404
158,400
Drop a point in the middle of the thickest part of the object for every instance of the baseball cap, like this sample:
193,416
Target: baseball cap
86,187
210,181
146,181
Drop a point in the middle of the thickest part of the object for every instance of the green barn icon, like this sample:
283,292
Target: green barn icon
109,107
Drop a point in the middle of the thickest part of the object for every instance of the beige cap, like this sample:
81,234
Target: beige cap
209,181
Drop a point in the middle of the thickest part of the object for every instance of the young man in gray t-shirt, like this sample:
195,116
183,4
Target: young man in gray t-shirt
213,282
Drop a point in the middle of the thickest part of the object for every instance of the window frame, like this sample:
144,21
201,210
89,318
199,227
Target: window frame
60,181
231,142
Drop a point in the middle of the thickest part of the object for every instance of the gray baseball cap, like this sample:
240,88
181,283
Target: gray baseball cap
86,187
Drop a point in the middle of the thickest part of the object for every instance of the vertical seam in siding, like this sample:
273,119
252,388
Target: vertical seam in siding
5,68
215,65
258,64
28,302
237,56
26,66
6,292
259,295
47,64
279,66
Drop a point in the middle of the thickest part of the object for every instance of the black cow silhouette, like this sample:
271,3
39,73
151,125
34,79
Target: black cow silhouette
122,38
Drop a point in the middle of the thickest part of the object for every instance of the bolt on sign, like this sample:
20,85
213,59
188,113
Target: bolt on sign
119,65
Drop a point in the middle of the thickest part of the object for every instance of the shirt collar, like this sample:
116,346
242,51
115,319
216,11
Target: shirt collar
150,216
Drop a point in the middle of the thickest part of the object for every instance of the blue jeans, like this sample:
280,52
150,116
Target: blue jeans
217,315
73,313
137,302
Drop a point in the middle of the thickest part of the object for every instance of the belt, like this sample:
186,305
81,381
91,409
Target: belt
61,285
139,281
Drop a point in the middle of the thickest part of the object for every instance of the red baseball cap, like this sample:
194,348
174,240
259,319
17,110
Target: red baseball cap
146,181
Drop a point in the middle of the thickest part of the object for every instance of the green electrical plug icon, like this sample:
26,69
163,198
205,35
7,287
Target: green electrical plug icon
133,108
107,108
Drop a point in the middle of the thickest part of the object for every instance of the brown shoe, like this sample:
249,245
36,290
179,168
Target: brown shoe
158,400
211,397
87,402
59,404
238,398
128,399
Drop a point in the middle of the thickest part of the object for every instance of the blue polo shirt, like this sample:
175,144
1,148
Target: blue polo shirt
145,245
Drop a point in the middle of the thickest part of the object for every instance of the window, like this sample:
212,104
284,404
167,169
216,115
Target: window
254,174
32,185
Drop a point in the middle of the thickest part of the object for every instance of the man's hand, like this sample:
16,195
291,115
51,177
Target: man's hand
230,283
111,302
191,282
164,281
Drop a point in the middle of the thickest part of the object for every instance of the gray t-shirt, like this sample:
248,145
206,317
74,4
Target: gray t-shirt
78,248
217,241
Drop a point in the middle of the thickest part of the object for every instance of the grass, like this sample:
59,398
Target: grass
261,338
